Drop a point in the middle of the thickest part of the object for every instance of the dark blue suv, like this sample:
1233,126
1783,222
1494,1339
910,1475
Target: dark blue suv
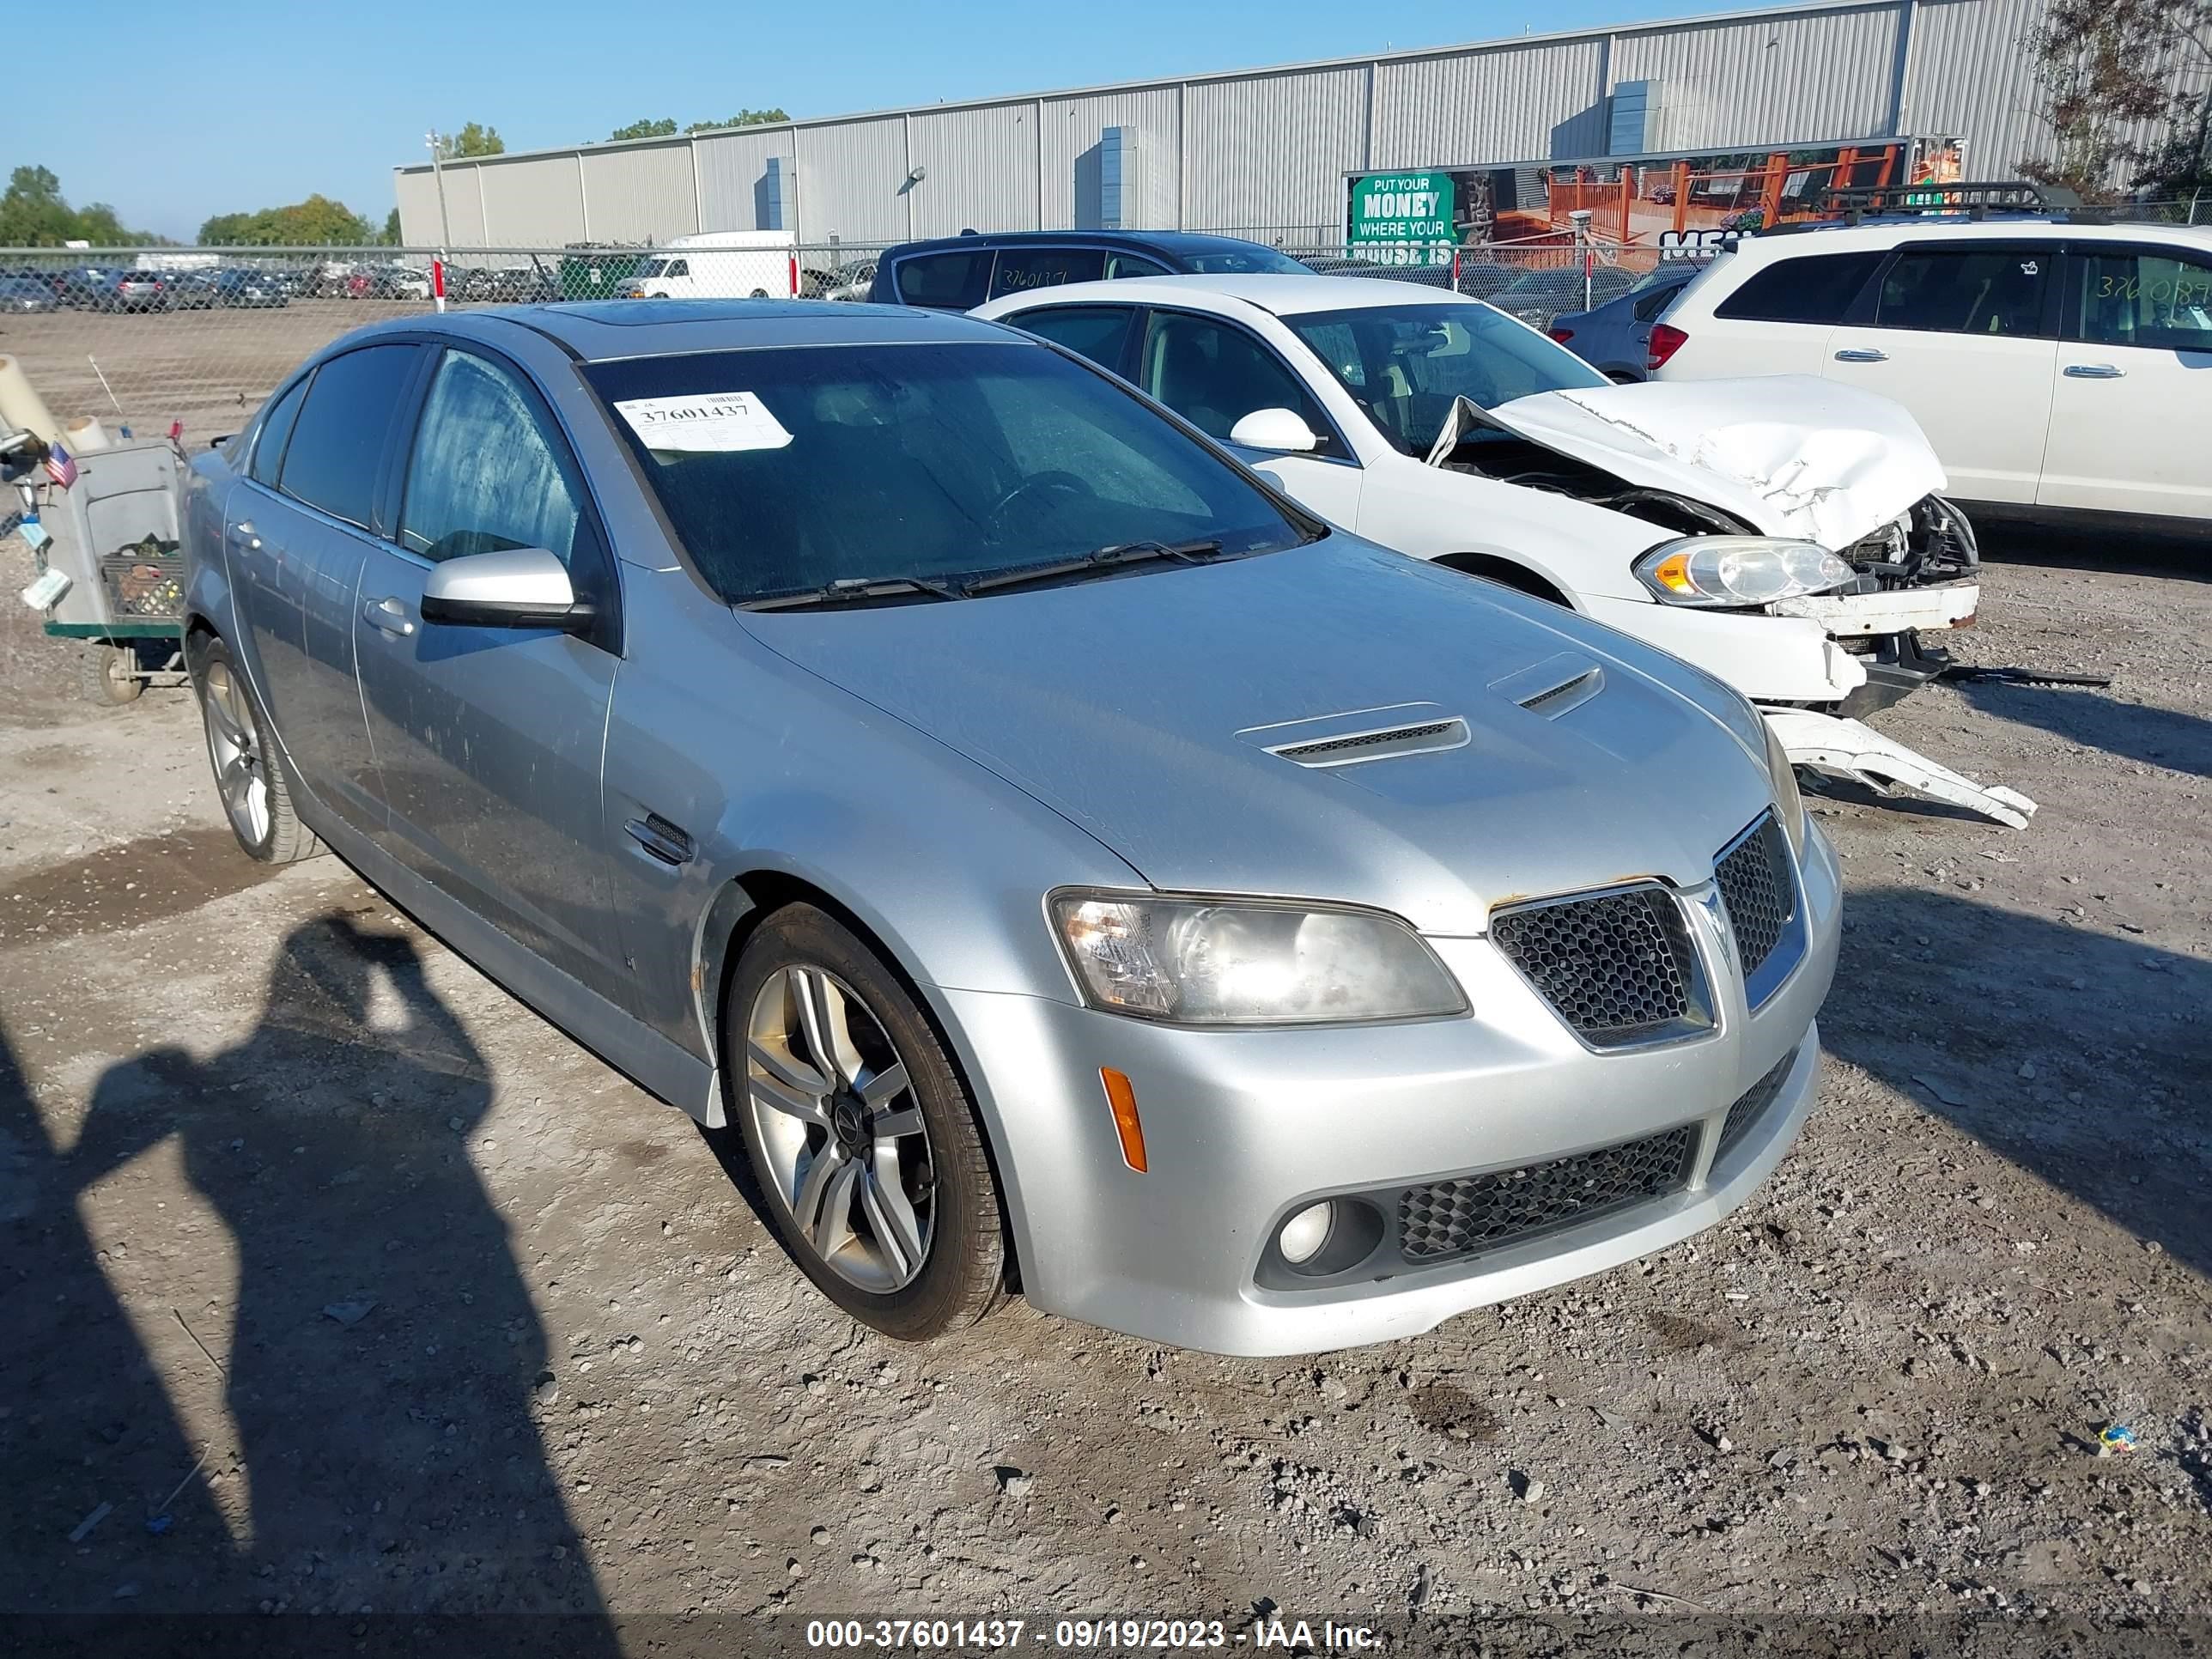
955,272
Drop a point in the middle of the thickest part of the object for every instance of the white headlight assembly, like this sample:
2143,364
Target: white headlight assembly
1739,570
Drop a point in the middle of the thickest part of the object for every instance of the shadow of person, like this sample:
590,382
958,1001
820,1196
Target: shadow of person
1946,998
384,1350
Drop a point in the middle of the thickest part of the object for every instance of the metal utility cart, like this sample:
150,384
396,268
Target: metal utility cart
116,538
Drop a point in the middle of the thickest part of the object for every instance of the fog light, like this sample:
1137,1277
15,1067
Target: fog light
1304,1233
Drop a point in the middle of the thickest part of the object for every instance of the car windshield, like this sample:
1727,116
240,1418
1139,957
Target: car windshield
787,470
1407,365
1241,262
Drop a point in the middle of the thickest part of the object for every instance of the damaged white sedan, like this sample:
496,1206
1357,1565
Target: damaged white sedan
1785,534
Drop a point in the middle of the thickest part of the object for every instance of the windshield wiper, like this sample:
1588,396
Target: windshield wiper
1101,558
846,589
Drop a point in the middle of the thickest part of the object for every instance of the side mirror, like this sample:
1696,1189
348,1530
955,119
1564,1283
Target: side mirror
1279,429
513,587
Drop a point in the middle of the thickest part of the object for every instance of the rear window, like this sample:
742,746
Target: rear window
338,443
1021,269
1816,289
951,281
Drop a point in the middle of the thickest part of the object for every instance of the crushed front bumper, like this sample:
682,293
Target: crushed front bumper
1242,1128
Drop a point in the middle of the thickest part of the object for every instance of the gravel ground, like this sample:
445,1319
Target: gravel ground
333,1279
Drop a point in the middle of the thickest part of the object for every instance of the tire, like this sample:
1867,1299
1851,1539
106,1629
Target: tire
872,1187
250,781
104,674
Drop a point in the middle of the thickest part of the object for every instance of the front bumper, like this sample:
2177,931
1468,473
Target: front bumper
1244,1127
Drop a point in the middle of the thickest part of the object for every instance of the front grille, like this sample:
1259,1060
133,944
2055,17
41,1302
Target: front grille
1755,886
1474,1213
1751,1105
1618,967
1299,751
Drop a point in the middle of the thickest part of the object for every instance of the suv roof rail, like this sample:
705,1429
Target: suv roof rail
1968,200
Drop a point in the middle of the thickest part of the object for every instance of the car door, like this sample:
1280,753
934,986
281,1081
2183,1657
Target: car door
1214,372
1963,335
1771,318
2134,382
488,741
314,531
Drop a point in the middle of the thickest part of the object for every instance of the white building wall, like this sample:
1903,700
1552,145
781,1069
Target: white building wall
731,168
1511,104
1269,152
1970,75
983,169
639,193
850,179
532,203
1071,128
1773,80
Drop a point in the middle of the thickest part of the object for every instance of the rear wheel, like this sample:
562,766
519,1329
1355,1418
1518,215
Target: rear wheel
863,1140
249,773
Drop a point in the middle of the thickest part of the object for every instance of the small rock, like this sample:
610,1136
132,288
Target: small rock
1014,1483
454,1124
2027,1069
349,1314
795,1567
124,1592
548,1392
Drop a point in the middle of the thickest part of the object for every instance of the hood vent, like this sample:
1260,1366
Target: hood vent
1362,735
1553,686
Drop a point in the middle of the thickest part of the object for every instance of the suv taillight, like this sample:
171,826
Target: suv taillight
1562,335
1666,341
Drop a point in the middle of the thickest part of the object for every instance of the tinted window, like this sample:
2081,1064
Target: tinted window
269,446
1021,269
926,461
1133,265
951,281
1238,259
1213,374
2153,299
1964,290
487,473
1097,332
1649,307
1407,365
338,439
1817,290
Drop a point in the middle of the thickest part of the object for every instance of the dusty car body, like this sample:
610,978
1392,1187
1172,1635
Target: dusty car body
1553,479
1051,851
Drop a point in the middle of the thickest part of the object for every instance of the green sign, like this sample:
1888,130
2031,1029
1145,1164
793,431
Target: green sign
1401,218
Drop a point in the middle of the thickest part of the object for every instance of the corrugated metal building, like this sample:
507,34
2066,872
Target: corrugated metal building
1271,149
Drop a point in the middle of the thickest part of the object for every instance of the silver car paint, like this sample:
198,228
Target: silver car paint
1043,749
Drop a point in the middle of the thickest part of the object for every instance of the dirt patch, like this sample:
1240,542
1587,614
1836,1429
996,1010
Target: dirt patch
125,886
1447,1409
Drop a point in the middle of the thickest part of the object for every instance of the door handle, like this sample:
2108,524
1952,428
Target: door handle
389,615
1861,355
242,531
662,842
2094,372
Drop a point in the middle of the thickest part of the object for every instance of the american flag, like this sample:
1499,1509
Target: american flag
61,466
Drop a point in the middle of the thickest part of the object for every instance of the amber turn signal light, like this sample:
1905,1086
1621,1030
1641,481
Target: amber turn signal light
1123,1099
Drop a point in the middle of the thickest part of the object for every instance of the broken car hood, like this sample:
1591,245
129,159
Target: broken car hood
1793,455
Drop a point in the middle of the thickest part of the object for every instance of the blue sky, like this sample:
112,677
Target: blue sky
204,110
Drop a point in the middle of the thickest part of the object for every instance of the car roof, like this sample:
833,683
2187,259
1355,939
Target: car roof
1791,242
1280,296
600,331
1152,241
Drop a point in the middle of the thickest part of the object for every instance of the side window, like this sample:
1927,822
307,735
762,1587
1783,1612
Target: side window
1817,290
1647,307
951,281
337,441
1965,290
1133,265
486,473
1022,269
1097,332
2160,301
677,268
269,442
1213,374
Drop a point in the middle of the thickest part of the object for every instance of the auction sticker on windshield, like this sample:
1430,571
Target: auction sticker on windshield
710,423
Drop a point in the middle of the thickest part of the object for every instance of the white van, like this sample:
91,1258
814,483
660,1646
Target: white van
719,264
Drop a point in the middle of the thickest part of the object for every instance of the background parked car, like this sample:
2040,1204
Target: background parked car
133,290
1615,338
193,290
247,287
25,293
2059,368
1537,296
955,272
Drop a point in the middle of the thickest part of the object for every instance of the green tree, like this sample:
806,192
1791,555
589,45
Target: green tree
2105,70
35,214
474,139
392,228
318,221
744,117
663,128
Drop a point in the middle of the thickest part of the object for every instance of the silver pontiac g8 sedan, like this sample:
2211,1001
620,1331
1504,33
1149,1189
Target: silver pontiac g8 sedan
1068,864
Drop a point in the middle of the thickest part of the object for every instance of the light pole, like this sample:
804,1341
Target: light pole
445,226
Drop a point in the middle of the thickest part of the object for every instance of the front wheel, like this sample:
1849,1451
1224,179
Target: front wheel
249,772
863,1140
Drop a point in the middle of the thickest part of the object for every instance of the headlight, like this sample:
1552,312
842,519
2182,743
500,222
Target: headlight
1739,570
1243,961
1789,804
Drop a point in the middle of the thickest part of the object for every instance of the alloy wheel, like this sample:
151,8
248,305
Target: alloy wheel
836,1115
235,745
